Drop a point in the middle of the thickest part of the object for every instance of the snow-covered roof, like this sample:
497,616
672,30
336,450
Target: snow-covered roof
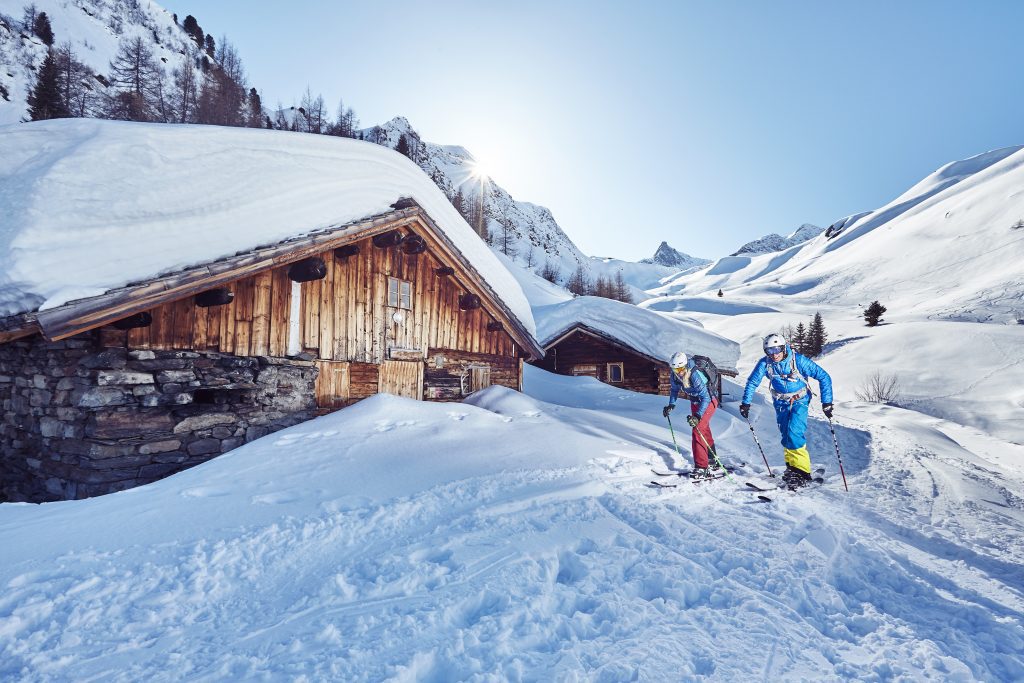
649,332
89,205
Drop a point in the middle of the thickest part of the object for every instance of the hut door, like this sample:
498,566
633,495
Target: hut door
402,378
332,385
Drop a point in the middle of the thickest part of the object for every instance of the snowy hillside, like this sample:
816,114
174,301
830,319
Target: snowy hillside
516,538
962,225
527,233
773,242
94,29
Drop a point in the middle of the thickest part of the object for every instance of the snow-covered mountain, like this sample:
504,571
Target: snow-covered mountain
948,248
774,242
94,29
665,255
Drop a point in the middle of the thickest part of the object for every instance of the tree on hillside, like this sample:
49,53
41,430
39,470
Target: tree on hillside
550,272
222,98
255,117
44,102
346,124
135,78
185,90
873,313
720,293
817,337
193,29
41,27
75,81
403,146
620,290
798,340
579,283
314,115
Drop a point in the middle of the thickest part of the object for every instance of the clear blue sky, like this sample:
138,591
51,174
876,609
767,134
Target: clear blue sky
705,124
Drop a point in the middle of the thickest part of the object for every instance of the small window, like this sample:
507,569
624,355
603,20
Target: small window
399,293
615,373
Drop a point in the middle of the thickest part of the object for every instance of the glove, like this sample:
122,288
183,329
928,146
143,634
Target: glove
827,409
667,409
692,420
745,410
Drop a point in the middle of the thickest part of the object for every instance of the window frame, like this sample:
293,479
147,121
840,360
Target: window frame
399,293
622,372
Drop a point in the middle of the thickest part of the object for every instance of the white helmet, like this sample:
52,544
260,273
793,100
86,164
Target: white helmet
773,341
678,360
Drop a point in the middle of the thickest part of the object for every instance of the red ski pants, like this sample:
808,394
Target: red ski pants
703,429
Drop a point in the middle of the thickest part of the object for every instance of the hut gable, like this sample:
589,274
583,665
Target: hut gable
622,344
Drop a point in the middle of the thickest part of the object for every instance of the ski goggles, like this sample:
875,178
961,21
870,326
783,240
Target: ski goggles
772,350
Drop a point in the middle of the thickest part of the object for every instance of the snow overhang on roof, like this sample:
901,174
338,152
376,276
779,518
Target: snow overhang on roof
91,206
647,332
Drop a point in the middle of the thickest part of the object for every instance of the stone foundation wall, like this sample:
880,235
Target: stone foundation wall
78,420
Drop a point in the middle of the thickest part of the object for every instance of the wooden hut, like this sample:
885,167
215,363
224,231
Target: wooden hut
115,390
623,345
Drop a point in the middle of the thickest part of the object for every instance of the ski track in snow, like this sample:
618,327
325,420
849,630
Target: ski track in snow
540,574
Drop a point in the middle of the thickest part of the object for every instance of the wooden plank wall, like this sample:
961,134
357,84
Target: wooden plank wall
344,316
640,374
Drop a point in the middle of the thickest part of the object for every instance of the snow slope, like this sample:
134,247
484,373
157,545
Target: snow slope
516,538
959,225
90,205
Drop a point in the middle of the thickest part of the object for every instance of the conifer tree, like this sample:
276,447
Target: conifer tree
41,27
255,109
403,145
799,339
193,29
873,313
816,336
44,102
720,293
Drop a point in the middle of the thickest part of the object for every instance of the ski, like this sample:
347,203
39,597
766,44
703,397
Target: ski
686,473
814,483
816,479
663,485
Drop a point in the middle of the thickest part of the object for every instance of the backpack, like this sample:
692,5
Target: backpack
707,366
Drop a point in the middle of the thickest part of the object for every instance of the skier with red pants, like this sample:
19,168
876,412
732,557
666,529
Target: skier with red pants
788,373
686,378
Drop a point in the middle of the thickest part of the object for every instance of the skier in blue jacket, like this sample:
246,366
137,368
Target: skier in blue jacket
788,372
686,378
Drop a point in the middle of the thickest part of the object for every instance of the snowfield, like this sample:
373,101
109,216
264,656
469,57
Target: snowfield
517,537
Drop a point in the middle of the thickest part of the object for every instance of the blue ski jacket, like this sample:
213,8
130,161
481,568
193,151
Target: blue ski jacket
784,381
696,392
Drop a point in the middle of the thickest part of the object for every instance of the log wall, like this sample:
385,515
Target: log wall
639,373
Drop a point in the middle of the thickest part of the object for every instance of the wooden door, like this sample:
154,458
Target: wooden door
333,385
402,378
481,378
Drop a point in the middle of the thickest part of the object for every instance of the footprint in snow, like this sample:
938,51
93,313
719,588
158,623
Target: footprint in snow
458,417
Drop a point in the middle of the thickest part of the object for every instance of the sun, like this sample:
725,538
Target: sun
479,170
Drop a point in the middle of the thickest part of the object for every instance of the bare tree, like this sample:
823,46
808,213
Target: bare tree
185,90
75,80
879,388
136,80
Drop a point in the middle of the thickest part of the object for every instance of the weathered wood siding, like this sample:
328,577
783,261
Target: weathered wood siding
451,374
639,373
343,317
346,323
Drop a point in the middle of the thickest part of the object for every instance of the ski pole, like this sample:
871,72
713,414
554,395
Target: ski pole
759,447
673,433
840,457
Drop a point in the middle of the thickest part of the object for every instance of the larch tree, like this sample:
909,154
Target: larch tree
135,78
